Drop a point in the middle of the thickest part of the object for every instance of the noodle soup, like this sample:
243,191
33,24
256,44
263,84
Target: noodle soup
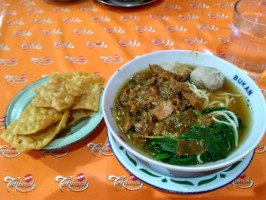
168,117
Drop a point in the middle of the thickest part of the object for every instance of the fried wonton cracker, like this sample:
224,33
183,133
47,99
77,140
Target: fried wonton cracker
77,115
33,119
64,89
60,91
91,99
37,141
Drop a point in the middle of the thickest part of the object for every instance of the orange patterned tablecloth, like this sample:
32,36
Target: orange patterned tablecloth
38,37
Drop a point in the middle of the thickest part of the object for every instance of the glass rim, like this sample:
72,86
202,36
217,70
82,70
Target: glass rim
245,18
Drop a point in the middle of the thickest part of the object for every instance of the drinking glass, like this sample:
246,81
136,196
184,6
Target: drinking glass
247,46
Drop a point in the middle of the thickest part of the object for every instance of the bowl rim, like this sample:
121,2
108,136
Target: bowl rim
194,168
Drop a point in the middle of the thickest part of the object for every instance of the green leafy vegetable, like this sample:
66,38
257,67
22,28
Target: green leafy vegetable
165,144
186,160
163,156
209,110
218,140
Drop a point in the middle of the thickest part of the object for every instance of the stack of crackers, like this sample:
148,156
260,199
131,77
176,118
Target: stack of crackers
63,101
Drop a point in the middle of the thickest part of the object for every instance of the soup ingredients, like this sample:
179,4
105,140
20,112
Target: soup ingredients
178,68
168,117
229,119
188,148
204,143
207,77
63,101
163,110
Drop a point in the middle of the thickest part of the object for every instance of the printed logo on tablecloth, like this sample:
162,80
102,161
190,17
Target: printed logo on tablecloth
122,182
193,41
22,33
112,59
4,47
101,149
8,12
81,60
82,31
27,3
261,148
224,5
175,28
34,11
129,18
2,123
44,75
8,62
207,27
199,5
93,44
98,74
52,32
100,19
16,79
159,17
63,10
58,153
223,40
4,4
114,30
162,42
27,46
144,29
91,9
168,7
189,16
263,91
63,44
14,22
19,184
9,151
42,20
127,43
72,19
220,54
242,182
77,184
218,15
42,61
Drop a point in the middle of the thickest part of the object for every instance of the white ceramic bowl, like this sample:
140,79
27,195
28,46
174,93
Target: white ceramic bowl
248,87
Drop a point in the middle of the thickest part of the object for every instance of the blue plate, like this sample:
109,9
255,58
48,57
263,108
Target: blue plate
65,138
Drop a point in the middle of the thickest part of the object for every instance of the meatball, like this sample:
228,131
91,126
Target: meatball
207,77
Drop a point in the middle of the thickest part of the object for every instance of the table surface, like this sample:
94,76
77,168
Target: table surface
38,37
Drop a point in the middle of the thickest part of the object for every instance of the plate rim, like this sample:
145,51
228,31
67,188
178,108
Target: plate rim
47,148
19,94
146,2
175,191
